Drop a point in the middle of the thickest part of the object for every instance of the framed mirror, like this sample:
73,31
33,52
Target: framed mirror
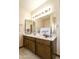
29,26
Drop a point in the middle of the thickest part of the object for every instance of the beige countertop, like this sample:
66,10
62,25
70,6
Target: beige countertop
42,37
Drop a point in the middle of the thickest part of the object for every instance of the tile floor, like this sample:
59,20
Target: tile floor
26,54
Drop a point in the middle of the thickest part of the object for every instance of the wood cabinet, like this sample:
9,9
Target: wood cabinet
54,46
54,50
25,42
29,43
43,49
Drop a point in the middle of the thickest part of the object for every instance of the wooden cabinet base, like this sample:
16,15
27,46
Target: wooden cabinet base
43,48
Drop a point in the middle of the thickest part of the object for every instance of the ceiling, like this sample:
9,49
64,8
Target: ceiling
30,5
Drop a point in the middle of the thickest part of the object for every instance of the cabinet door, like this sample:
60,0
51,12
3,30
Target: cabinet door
32,46
43,51
54,46
25,42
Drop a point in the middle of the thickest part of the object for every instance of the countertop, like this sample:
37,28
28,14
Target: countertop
41,37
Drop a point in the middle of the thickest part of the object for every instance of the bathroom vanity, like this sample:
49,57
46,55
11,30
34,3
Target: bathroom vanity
45,48
39,36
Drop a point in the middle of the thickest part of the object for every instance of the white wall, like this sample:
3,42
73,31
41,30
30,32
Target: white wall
41,7
57,14
58,30
23,14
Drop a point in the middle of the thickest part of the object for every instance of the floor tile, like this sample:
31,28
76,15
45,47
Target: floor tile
26,54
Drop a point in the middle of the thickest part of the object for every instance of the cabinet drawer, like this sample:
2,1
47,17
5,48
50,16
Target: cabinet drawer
31,38
42,41
24,37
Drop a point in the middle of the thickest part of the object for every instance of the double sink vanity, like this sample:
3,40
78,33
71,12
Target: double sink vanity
45,48
43,41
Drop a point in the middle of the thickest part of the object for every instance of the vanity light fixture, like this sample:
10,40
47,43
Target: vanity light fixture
42,13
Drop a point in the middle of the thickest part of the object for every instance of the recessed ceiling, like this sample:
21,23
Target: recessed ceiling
30,5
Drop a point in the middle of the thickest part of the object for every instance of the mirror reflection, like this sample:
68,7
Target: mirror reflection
43,26
29,26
